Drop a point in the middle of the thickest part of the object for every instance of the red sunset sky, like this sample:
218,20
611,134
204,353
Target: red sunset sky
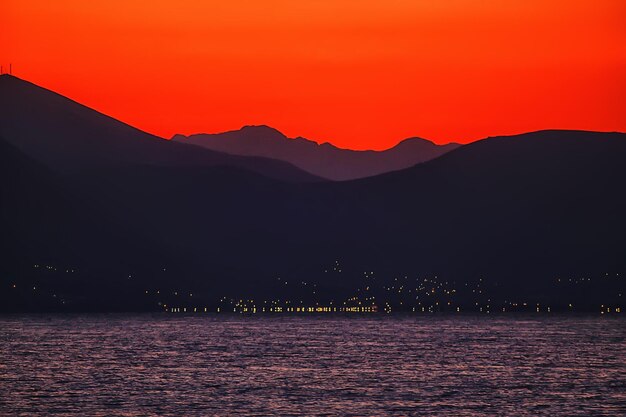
358,73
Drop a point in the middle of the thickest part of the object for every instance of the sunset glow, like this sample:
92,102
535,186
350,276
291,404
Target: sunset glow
361,74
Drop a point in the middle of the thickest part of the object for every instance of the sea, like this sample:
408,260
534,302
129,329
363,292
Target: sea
370,365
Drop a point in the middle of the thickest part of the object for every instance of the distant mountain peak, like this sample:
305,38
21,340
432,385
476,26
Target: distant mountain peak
261,130
323,159
415,143
414,140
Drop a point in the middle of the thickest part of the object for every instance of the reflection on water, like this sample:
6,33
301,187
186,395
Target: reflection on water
219,365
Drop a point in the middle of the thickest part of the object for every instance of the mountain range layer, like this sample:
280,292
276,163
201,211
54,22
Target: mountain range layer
323,160
519,211
69,137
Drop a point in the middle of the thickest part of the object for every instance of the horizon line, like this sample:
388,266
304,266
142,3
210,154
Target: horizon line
317,142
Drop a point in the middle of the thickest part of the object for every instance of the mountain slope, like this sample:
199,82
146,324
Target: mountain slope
68,137
43,219
541,202
523,208
323,160
518,211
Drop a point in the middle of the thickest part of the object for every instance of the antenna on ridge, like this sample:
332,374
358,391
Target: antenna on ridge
10,69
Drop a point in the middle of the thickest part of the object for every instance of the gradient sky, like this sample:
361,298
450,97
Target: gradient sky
358,73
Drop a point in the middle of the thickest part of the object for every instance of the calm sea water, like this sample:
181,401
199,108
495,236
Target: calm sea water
131,365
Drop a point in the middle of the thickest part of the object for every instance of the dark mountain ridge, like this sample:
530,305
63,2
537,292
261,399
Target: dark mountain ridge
538,219
324,160
68,136
515,211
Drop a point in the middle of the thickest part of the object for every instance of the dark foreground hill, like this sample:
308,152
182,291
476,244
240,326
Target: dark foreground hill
67,136
503,221
323,160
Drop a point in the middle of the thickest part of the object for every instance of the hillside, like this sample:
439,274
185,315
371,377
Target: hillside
518,211
67,137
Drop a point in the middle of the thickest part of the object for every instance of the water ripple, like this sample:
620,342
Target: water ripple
137,365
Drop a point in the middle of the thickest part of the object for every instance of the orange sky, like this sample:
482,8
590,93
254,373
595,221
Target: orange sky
358,73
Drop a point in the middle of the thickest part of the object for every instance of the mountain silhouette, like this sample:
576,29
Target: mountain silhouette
517,210
68,137
323,160
40,214
539,202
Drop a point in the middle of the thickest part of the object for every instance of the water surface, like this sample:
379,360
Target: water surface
131,365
